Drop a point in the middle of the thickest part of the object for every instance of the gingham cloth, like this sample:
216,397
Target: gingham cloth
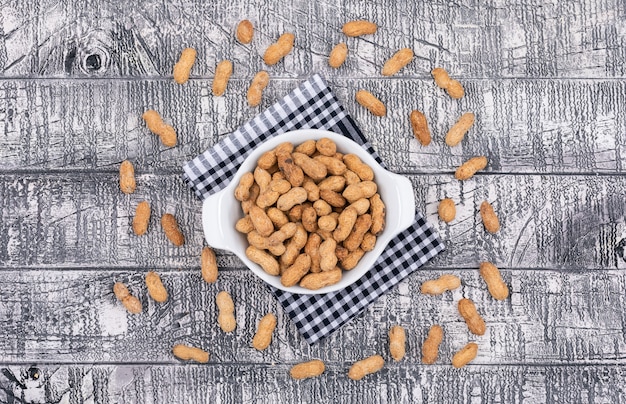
313,105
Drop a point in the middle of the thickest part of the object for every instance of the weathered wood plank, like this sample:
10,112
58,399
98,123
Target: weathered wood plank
72,316
524,126
398,383
498,38
83,220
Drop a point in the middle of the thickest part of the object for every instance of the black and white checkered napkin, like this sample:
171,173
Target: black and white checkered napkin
313,105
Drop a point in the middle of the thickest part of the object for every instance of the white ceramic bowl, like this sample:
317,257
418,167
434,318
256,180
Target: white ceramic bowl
221,211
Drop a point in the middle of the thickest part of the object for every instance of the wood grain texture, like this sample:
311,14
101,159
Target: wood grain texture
552,317
83,220
397,383
497,38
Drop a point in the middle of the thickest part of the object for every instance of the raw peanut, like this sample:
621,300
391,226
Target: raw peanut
142,218
308,369
420,127
328,260
172,232
430,349
242,192
208,265
459,129
397,342
226,307
354,163
315,281
127,177
263,336
442,284
297,242
254,194
327,223
309,219
455,89
261,222
284,148
345,223
267,160
295,196
267,198
441,77
474,321
470,167
279,49
400,59
244,225
352,260
365,367
223,72
334,183
280,186
361,205
334,166
493,279
322,208
262,178
446,210
351,177
333,198
277,175
359,27
364,189
265,260
314,169
341,252
182,68
186,353
338,55
257,85
245,31
490,219
277,217
361,226
369,242
325,235
263,243
465,355
295,213
156,290
293,172
326,147
307,148
369,101
286,231
312,190
311,248
292,275
155,124
339,156
130,302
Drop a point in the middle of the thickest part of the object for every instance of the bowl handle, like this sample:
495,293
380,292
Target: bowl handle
213,220
406,197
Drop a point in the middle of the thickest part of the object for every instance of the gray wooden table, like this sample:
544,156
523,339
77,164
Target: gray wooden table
546,81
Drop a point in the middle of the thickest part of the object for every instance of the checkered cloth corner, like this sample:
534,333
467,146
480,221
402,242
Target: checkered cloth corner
313,105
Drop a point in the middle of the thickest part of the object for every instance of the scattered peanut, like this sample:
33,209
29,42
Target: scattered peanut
127,177
459,129
443,80
255,91
490,219
320,280
465,355
447,210
308,369
130,302
226,316
186,353
397,342
470,167
338,55
223,72
170,227
493,279
155,124
430,349
245,31
420,127
444,283
156,290
279,49
369,101
474,321
365,367
263,336
359,27
208,265
400,59
142,218
183,67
